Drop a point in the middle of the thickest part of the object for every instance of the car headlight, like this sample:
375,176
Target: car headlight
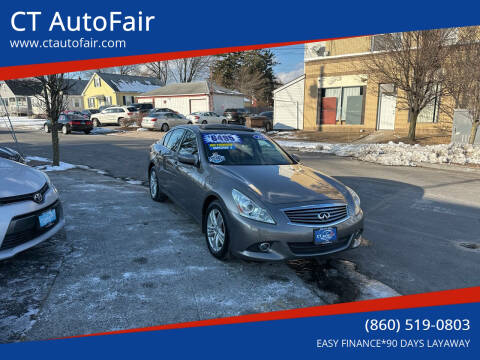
49,182
356,200
249,209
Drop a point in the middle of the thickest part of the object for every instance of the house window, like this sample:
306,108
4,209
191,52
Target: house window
429,113
76,103
386,41
97,82
108,100
91,102
349,104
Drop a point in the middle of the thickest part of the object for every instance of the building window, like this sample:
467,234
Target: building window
108,100
384,42
91,102
342,104
429,113
76,103
97,82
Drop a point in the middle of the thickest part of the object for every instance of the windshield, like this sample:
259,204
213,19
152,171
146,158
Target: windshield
243,149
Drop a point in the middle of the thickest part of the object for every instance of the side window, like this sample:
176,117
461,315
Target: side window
166,137
189,144
174,140
61,118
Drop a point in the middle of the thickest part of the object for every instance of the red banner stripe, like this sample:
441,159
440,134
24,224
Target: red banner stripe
439,298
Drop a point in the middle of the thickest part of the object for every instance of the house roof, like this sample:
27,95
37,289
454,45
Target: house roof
291,82
192,88
129,83
25,87
75,86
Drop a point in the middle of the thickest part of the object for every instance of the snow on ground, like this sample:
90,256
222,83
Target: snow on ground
395,154
22,122
102,130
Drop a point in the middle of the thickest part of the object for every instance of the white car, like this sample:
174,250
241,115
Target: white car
30,208
118,115
207,117
164,121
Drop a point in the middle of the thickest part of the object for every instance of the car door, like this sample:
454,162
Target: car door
170,162
188,177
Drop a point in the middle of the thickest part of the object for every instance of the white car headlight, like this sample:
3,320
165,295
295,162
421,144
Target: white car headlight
356,200
249,209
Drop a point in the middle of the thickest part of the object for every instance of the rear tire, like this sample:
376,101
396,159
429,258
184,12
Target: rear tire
165,127
87,131
121,122
216,231
204,122
189,123
224,122
155,192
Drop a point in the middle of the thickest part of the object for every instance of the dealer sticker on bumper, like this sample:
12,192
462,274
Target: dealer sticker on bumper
47,218
324,236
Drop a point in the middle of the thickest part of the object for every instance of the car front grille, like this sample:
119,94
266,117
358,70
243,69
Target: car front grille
302,248
321,215
26,197
26,227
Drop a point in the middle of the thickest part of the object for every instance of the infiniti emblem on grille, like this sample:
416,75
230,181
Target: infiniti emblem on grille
38,198
323,215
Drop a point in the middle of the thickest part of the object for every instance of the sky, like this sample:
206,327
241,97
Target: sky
291,62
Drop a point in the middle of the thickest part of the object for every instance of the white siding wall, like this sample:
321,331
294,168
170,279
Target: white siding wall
179,103
223,102
75,102
288,106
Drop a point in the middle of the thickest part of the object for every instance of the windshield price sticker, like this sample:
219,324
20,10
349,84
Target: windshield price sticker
229,146
221,139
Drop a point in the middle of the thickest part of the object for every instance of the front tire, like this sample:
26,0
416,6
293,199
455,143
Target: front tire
224,122
204,122
216,231
96,123
155,192
65,130
46,128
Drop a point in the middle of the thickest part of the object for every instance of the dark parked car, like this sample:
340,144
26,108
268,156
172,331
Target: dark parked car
89,112
236,116
144,108
262,120
252,198
68,123
10,154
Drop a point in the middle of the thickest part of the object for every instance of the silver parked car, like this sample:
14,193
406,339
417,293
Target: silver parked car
164,121
30,208
252,198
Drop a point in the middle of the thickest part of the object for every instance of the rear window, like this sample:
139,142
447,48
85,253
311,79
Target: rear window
131,108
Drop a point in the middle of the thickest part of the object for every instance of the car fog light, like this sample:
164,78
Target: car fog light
357,239
265,246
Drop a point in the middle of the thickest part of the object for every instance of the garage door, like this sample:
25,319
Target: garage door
285,115
198,105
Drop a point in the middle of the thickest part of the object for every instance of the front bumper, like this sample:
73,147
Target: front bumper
23,230
287,240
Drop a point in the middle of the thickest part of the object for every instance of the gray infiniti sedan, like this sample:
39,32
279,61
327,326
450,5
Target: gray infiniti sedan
253,199
30,209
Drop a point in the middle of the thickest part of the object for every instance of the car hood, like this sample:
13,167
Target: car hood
285,184
17,179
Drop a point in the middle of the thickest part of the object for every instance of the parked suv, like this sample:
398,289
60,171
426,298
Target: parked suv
143,107
118,115
236,116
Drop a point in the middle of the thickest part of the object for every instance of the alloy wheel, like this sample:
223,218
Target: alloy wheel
215,230
153,184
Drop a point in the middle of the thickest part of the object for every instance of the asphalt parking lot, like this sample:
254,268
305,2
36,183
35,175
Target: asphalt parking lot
421,235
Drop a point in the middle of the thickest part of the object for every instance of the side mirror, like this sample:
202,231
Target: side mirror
295,157
190,159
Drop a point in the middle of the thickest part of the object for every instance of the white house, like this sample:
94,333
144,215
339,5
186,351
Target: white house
187,98
288,105
20,96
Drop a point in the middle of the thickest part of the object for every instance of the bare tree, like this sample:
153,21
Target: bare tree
189,69
462,75
53,99
414,63
158,69
250,82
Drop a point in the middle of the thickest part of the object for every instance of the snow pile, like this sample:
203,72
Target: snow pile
62,167
395,154
142,129
22,122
